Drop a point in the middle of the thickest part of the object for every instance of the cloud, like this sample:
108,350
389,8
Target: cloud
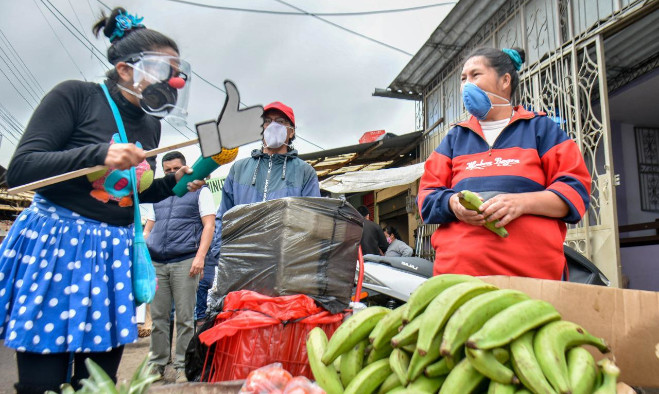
324,73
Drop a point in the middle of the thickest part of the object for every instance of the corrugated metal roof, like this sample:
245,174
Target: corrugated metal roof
630,46
623,50
398,150
459,26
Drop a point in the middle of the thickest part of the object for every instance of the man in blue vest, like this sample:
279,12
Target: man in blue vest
178,236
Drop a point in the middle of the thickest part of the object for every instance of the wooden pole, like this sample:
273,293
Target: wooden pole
84,171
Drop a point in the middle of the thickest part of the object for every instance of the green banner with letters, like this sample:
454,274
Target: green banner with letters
215,185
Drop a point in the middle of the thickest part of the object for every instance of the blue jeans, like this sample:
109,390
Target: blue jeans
202,291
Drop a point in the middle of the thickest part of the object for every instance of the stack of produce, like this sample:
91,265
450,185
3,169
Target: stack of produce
458,334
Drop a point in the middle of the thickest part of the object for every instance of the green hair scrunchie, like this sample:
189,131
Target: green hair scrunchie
514,56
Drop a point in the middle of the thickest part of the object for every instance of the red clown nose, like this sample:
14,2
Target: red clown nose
177,82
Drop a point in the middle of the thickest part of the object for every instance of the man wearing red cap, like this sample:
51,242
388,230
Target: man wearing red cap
274,171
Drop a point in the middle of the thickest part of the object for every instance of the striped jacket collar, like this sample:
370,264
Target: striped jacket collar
474,125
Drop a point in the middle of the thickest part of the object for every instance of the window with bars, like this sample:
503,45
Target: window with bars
647,153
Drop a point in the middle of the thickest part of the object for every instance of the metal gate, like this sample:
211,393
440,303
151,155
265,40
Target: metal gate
570,85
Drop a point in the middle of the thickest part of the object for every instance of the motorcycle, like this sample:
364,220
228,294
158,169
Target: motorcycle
389,281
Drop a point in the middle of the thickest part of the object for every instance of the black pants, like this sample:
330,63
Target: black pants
40,372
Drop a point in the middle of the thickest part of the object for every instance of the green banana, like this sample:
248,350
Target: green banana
378,354
550,344
325,376
471,316
390,383
454,359
337,364
523,391
352,331
411,348
351,362
610,374
418,363
442,307
511,323
399,361
487,362
526,365
369,378
498,388
424,384
408,334
387,327
471,201
436,369
421,297
582,370
464,378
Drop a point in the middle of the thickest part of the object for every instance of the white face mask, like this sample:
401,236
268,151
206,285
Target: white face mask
275,135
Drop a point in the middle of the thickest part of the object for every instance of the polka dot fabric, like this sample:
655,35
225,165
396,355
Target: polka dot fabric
65,283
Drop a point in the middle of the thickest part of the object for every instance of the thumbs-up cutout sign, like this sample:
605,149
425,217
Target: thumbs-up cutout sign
233,128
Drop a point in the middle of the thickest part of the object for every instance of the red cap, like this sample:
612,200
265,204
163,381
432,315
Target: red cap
285,109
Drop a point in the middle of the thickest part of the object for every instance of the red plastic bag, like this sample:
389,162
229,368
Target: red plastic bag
246,310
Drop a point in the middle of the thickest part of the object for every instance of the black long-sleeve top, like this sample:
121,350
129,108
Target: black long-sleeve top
71,129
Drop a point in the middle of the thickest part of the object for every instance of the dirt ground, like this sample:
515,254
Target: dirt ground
134,354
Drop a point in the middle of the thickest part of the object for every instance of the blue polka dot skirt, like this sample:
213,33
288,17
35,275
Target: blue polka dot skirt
65,283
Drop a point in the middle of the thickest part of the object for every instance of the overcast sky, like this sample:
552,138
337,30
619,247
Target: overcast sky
325,74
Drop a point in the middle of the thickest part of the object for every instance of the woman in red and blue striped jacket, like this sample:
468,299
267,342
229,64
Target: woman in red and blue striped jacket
529,172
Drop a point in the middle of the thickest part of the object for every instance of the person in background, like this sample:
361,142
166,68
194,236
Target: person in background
178,235
397,248
65,266
373,240
529,172
272,172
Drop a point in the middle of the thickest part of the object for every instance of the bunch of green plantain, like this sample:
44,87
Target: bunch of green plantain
458,334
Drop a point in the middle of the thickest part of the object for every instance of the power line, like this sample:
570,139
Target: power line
347,30
20,59
10,128
211,84
76,15
304,13
15,88
60,41
7,136
82,28
12,122
19,75
91,47
316,145
177,129
15,121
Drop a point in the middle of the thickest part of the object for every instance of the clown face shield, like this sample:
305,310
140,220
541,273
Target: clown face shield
162,83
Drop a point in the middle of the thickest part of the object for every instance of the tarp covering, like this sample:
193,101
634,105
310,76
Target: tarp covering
363,181
286,246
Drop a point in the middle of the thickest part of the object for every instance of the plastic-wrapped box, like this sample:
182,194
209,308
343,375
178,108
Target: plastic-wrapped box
292,245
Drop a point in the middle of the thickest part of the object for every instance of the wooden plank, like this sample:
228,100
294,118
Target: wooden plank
84,171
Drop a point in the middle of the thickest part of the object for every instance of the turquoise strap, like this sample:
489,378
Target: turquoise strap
133,175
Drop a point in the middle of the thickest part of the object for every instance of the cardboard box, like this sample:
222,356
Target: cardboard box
627,319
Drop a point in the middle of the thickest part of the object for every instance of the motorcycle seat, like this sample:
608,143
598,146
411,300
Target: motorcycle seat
415,265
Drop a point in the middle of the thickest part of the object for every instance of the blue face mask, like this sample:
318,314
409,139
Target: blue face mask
477,102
